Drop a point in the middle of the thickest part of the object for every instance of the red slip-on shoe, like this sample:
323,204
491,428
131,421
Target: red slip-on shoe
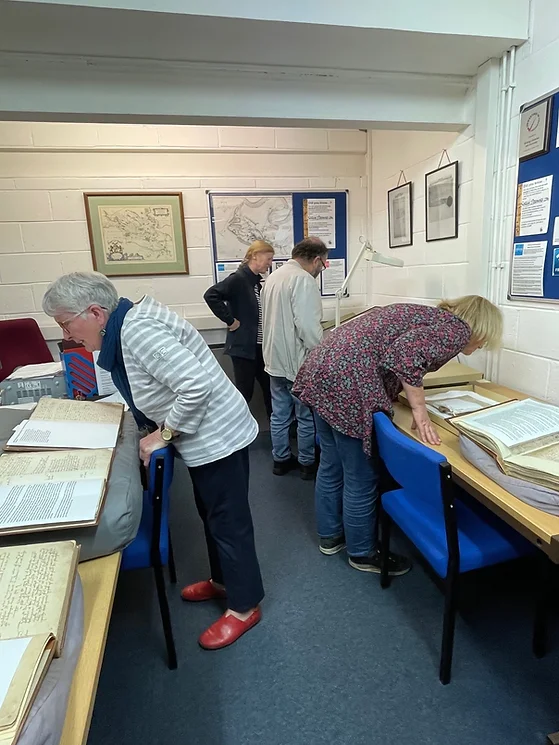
201,591
227,630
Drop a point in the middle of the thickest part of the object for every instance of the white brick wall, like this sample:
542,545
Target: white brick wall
431,270
46,168
530,358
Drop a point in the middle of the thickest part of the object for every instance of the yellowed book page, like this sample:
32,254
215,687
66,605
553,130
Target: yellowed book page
542,461
548,453
20,659
67,410
36,434
60,465
533,477
35,586
11,733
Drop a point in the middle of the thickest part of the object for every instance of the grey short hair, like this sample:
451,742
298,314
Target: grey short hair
73,293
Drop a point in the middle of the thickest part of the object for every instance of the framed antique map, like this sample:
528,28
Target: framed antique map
137,234
240,219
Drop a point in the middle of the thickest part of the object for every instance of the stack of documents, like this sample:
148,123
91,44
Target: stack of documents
56,471
453,403
36,584
28,372
522,436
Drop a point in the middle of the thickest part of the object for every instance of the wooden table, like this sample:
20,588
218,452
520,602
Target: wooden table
99,578
537,526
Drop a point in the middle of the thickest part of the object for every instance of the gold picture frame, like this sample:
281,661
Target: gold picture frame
136,234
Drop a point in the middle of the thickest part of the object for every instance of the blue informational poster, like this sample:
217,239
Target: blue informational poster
534,271
281,219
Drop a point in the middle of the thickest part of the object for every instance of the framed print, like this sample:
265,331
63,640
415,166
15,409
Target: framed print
441,203
535,129
400,216
136,234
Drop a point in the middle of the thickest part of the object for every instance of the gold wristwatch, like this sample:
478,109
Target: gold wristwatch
167,434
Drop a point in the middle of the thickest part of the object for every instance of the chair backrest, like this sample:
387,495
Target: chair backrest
413,465
160,477
21,343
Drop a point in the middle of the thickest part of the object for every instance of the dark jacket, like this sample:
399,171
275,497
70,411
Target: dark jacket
234,297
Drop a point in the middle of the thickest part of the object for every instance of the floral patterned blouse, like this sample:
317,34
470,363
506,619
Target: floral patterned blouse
359,367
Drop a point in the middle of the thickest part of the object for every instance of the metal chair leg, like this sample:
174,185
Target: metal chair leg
172,567
385,530
449,622
165,617
539,634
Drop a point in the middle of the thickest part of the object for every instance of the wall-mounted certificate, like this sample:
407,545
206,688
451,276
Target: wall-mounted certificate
535,128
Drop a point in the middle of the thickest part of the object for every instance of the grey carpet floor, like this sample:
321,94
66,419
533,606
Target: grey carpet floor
336,660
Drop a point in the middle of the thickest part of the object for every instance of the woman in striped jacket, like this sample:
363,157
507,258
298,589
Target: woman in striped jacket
178,393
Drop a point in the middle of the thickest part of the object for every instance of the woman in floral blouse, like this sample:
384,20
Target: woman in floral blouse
359,369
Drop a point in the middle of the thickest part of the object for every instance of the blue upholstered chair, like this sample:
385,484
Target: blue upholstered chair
152,546
426,506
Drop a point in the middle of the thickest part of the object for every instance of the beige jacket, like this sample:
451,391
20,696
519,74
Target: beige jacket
291,314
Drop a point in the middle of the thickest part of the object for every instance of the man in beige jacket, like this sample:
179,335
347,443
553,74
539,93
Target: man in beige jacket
291,315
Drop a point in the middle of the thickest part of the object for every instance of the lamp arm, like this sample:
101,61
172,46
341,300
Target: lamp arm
366,246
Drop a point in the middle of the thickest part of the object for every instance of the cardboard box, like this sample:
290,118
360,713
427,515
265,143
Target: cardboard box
453,373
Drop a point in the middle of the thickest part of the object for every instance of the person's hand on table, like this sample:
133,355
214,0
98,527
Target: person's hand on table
424,426
149,445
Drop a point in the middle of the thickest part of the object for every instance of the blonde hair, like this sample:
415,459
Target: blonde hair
484,318
257,247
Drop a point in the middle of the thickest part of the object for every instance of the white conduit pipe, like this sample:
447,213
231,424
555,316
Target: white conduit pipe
499,241
503,245
497,168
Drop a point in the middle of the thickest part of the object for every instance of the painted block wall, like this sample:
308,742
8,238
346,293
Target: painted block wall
431,270
46,167
531,349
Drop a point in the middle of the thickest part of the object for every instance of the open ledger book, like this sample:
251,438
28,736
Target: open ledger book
58,424
36,585
523,436
52,489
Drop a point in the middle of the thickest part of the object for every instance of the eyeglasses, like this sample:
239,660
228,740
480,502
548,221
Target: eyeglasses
324,263
64,324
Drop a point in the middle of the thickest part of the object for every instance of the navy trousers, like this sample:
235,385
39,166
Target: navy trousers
221,494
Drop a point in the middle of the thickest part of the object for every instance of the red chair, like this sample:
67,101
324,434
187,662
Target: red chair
21,343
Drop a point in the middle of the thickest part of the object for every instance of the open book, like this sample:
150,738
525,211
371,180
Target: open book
36,585
23,665
52,489
523,437
57,424
453,403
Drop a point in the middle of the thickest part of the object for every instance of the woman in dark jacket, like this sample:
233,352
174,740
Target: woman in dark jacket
359,369
236,302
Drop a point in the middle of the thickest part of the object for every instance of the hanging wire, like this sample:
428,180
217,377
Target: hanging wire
401,177
444,152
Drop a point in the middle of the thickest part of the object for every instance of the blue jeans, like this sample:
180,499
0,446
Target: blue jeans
285,407
346,490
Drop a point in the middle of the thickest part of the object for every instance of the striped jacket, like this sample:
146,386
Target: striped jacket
175,379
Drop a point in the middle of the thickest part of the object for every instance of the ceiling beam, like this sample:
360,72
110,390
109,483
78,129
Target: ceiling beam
68,88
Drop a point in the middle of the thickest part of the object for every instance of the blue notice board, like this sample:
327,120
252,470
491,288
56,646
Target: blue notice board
322,213
534,273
